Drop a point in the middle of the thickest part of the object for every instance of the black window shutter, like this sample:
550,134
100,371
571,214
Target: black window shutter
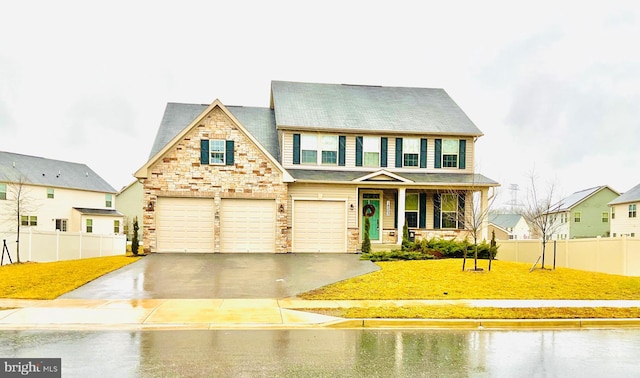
398,152
462,154
296,148
423,153
383,151
204,151
461,210
228,158
436,210
395,213
358,151
342,150
438,154
423,210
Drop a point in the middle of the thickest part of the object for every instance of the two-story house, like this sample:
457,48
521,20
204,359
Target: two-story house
584,214
624,213
55,195
301,175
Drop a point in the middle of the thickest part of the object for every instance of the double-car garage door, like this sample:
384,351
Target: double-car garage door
187,225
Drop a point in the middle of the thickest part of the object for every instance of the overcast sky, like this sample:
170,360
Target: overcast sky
553,85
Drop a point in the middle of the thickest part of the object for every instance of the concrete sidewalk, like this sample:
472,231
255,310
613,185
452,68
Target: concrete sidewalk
147,314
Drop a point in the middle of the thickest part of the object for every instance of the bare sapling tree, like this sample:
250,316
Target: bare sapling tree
475,214
539,209
19,203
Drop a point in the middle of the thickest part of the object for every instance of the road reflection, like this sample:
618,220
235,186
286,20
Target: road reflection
331,353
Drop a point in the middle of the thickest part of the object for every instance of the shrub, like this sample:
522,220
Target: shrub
134,240
366,243
433,248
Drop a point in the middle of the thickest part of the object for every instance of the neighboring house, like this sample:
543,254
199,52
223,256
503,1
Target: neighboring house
59,195
130,203
300,175
514,225
584,214
624,213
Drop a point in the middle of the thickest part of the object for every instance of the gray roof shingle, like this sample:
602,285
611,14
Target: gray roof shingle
373,108
260,122
632,195
48,172
418,178
505,220
576,198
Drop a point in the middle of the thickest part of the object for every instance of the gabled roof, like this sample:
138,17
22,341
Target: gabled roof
368,108
505,221
171,130
260,122
382,175
434,179
632,195
52,173
576,198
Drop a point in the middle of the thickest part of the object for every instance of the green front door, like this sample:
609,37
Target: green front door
374,219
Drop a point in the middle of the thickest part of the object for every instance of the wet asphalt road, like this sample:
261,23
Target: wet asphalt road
332,353
224,276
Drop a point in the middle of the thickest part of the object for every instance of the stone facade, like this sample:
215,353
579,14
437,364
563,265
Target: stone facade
179,173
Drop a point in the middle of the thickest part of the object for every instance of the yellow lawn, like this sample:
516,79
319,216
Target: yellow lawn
444,279
50,280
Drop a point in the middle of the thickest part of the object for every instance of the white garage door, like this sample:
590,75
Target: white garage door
184,224
319,226
248,226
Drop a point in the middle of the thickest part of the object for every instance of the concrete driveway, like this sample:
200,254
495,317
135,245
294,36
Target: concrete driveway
206,276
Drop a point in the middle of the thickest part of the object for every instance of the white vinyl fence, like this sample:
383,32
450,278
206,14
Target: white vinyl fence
619,255
46,246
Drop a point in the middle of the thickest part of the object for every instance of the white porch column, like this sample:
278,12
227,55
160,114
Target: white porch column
402,192
484,204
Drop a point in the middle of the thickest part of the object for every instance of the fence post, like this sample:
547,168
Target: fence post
625,255
30,242
80,239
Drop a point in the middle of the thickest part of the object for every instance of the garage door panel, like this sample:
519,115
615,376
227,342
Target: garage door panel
184,225
247,226
319,226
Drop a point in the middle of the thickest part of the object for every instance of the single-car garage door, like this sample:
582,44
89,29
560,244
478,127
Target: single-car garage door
248,225
319,226
184,224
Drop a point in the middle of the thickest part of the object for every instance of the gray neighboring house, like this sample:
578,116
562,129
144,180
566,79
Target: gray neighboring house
302,174
624,213
60,195
514,225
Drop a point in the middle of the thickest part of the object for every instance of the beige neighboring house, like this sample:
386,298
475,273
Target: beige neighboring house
624,213
60,195
302,174
130,203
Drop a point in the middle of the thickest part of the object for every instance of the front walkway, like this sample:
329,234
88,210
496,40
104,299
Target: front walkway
153,314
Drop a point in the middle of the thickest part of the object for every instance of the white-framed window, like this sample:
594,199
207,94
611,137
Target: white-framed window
563,218
329,149
449,209
632,211
411,206
50,193
29,220
89,225
410,152
371,151
577,216
108,200
61,224
3,191
613,213
116,226
450,150
217,148
605,217
309,149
